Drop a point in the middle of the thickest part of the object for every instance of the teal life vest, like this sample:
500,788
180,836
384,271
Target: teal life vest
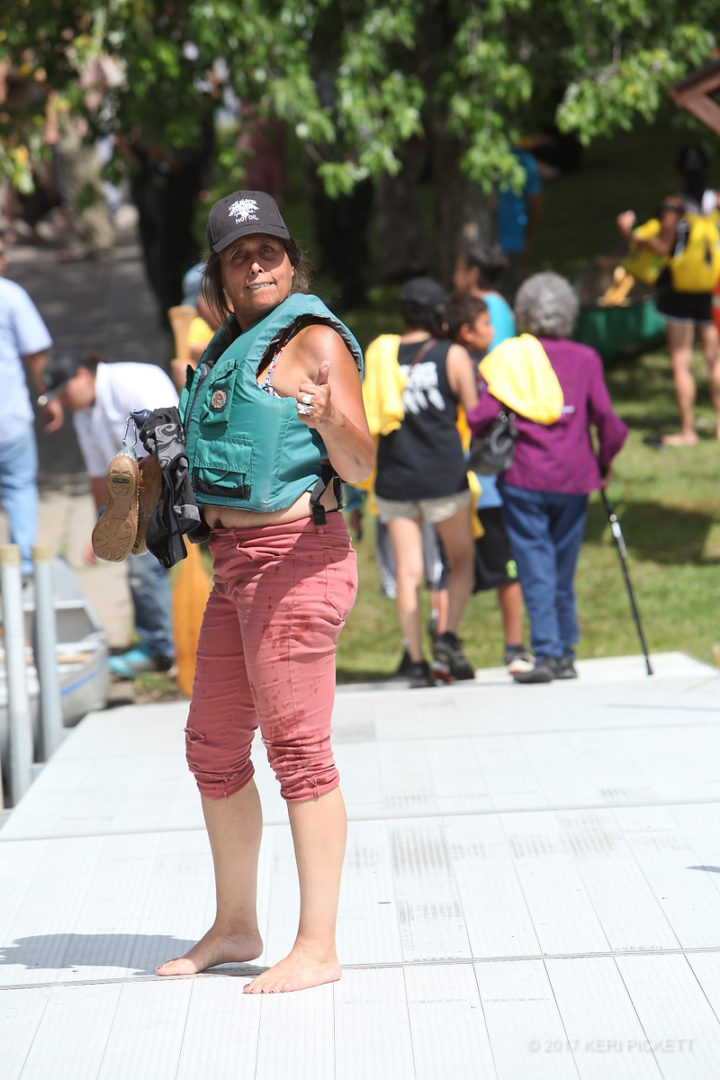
246,448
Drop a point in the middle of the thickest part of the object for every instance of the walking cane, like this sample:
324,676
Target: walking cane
622,552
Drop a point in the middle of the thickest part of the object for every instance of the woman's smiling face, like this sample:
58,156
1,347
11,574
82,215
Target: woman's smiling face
257,276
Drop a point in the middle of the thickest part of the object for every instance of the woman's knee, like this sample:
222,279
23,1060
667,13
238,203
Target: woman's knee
303,772
219,771
410,574
462,559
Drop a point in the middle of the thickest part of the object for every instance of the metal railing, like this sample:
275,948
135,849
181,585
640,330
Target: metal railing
22,752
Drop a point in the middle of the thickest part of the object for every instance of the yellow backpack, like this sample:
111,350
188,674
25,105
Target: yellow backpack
693,268
696,268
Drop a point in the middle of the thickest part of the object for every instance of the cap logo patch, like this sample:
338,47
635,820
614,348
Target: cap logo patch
244,210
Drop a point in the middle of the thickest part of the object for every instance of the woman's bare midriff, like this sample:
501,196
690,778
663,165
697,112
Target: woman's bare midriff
225,517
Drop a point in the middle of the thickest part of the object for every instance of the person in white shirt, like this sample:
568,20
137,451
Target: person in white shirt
101,394
25,343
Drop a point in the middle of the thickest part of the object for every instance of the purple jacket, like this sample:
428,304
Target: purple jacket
560,457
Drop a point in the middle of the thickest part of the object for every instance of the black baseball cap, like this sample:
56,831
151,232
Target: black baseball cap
423,292
242,214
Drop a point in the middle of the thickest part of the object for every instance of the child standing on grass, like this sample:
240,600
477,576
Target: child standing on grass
495,568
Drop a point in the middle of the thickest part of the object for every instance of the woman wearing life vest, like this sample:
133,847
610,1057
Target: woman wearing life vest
687,236
273,417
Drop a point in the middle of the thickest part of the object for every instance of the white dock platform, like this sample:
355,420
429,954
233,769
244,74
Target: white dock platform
531,889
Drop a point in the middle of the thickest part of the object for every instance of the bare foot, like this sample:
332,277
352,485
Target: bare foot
681,439
297,971
213,949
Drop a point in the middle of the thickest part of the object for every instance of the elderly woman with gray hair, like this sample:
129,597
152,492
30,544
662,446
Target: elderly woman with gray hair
555,467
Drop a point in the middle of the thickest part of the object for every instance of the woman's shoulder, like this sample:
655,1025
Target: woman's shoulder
318,335
573,350
318,342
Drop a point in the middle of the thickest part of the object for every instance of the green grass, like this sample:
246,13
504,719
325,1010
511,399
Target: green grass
668,504
668,501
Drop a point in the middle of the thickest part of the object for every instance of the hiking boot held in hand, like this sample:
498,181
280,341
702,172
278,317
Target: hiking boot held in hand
149,497
116,529
449,661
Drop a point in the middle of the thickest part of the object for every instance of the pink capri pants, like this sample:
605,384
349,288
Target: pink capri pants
266,656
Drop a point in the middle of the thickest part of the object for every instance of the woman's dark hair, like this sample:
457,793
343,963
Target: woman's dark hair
693,166
489,260
212,289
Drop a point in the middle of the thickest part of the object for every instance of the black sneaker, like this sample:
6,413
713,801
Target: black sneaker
404,668
566,667
420,674
449,661
544,671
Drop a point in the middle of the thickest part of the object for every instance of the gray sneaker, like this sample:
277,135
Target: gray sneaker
544,671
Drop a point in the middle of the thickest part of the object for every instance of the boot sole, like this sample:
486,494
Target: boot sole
115,532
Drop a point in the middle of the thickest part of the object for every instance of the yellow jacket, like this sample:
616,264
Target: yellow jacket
383,385
519,373
382,389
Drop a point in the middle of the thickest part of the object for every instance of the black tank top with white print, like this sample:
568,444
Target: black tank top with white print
424,458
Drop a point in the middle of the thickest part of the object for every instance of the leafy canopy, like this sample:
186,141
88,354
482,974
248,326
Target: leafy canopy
356,79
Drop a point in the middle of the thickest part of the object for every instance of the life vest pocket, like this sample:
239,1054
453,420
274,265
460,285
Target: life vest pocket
223,469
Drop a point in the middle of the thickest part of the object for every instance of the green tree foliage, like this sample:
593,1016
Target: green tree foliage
355,79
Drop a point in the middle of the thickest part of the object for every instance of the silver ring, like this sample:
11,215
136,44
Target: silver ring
306,399
302,409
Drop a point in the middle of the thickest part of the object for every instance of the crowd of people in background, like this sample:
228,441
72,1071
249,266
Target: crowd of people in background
496,342
459,361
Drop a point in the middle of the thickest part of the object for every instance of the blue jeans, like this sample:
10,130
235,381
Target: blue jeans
152,604
18,491
546,530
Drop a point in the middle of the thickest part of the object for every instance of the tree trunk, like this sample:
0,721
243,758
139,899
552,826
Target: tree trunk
462,209
403,244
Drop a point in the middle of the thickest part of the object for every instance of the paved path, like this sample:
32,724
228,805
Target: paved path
531,889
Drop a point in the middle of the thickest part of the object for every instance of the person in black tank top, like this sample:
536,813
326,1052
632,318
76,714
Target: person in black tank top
421,475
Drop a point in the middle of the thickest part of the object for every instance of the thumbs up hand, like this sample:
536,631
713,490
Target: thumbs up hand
314,405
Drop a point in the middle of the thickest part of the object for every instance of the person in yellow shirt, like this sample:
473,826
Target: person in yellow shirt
201,330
